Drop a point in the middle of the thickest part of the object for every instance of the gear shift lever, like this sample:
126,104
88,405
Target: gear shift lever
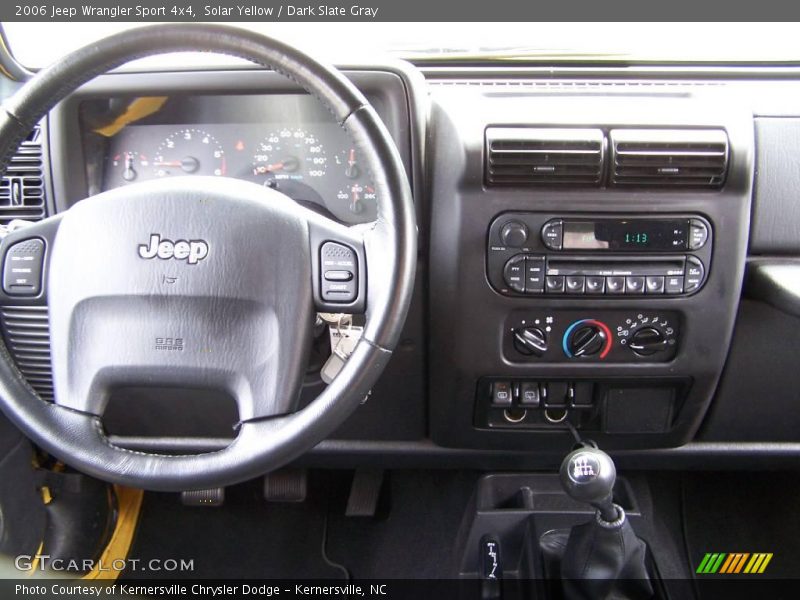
588,475
602,558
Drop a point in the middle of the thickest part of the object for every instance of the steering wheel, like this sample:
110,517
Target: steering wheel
204,282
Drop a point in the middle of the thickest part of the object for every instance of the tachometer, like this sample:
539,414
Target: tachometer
289,154
189,151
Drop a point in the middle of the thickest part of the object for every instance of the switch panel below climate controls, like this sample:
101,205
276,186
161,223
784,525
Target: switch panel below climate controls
614,336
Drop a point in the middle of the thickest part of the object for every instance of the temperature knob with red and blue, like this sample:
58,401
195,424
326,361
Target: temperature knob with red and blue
587,337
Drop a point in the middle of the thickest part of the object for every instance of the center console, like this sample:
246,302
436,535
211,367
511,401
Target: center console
587,256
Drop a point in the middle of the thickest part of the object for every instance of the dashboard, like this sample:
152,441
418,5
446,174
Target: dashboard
287,142
563,275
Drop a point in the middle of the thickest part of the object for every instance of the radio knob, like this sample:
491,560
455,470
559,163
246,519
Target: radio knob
530,341
514,234
647,341
586,340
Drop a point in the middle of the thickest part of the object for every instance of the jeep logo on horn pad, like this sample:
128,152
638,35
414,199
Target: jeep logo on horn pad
192,251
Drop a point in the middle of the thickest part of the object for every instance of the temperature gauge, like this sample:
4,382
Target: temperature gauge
359,197
128,165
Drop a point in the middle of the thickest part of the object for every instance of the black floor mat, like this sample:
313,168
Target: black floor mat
744,512
417,536
248,538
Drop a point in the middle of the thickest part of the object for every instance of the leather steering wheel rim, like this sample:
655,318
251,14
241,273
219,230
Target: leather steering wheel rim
262,445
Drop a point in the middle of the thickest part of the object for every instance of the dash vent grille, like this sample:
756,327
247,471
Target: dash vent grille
540,156
22,186
661,157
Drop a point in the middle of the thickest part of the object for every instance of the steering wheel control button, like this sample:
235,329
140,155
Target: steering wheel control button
338,276
695,272
22,270
615,285
534,274
654,285
514,274
339,273
595,284
553,234
501,393
575,284
698,234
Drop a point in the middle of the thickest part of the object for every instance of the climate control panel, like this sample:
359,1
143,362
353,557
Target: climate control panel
615,336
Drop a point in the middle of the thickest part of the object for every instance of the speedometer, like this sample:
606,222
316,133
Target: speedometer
289,154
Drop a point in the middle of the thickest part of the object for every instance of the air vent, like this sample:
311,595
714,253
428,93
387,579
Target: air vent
27,336
22,187
531,156
669,157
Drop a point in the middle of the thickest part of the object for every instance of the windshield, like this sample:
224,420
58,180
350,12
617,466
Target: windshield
546,42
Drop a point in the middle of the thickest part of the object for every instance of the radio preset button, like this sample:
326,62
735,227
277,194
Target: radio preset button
595,284
674,285
554,284
575,284
654,285
615,285
698,234
553,234
634,285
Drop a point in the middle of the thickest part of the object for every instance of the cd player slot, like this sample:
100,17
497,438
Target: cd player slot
610,268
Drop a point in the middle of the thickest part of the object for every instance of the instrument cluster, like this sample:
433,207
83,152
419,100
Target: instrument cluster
312,162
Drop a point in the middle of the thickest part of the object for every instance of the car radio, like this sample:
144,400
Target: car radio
534,254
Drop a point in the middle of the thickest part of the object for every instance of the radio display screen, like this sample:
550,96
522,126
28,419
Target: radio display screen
626,235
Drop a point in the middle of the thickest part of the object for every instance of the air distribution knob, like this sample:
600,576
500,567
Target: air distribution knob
530,341
514,234
587,340
647,341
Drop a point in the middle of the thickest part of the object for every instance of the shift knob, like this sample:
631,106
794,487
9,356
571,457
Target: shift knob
588,475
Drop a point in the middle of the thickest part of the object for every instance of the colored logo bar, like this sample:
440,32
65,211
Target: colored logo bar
734,563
